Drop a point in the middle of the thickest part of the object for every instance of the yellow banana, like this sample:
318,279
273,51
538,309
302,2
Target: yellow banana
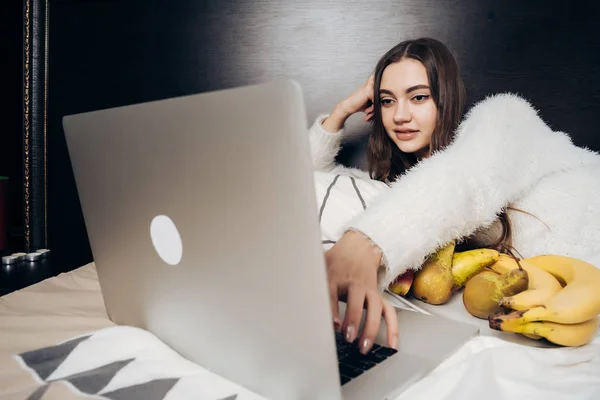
531,336
503,264
577,302
467,264
565,269
561,334
541,287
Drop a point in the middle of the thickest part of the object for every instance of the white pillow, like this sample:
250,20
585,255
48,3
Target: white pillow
340,197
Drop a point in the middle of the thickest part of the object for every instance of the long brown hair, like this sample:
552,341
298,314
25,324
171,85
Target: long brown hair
386,161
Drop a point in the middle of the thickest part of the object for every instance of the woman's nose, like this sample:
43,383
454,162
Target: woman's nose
402,113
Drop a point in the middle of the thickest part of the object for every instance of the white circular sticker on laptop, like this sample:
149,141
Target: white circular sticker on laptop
166,239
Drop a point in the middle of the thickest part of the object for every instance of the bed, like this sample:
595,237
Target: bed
57,342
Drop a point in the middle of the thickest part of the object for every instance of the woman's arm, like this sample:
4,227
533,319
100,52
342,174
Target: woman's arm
325,134
501,150
324,144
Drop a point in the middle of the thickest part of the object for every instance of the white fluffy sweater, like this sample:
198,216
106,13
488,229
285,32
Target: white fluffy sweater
503,154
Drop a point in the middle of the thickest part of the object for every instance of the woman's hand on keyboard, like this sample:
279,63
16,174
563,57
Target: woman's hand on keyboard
352,265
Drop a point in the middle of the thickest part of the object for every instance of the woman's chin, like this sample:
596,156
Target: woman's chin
414,145
409,147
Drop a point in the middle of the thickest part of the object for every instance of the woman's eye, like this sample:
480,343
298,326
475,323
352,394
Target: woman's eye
420,98
386,102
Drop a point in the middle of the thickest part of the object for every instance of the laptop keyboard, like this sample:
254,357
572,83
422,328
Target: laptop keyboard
352,362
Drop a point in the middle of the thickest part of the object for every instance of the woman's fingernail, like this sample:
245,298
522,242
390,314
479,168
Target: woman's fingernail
350,334
365,347
337,323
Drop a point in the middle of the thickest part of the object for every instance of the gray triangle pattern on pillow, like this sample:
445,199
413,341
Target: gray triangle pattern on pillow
94,380
153,390
43,362
46,360
38,393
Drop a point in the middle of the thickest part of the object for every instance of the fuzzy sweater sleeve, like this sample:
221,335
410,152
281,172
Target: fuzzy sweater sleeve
502,148
324,146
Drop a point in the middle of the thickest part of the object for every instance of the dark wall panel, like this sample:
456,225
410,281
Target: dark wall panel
110,53
11,138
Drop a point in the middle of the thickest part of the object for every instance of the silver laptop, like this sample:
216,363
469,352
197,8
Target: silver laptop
202,218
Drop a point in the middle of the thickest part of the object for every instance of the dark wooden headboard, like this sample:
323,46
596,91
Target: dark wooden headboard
86,55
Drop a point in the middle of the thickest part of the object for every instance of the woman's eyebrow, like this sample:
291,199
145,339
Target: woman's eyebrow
416,87
410,89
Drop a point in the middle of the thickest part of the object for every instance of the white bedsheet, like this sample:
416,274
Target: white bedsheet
493,369
492,366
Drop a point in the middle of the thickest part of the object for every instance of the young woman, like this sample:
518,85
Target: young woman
500,178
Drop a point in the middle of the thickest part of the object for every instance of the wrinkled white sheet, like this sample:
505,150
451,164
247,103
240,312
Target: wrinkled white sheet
500,365
493,369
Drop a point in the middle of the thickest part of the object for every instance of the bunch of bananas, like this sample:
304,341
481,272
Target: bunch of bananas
550,296
561,304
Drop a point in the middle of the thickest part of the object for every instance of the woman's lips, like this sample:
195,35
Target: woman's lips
405,134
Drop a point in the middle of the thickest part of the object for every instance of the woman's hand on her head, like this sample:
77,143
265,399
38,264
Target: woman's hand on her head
360,100
352,265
